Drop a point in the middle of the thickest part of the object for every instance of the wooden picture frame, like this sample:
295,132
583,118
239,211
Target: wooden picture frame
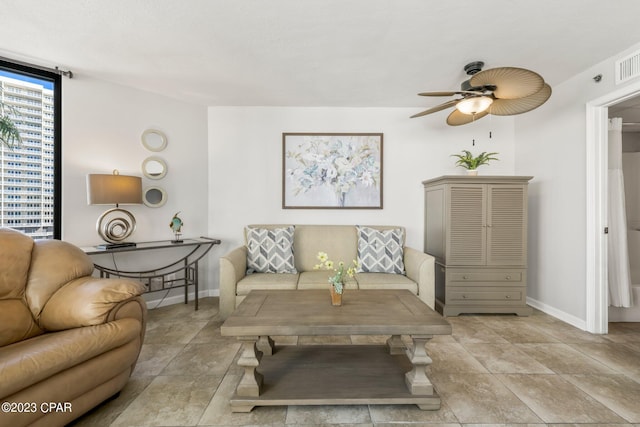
332,170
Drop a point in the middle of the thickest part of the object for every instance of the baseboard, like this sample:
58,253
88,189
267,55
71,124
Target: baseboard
558,314
161,299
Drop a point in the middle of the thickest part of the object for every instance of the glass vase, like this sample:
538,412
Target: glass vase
336,298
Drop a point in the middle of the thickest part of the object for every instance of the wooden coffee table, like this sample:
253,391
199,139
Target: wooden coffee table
334,374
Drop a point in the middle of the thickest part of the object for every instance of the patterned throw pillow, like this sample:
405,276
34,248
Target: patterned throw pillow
270,250
380,251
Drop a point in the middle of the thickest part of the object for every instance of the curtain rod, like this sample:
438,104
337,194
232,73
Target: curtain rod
56,70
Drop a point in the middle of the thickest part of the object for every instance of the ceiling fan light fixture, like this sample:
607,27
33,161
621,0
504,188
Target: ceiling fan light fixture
474,104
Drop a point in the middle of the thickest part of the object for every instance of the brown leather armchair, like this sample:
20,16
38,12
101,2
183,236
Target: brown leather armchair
68,341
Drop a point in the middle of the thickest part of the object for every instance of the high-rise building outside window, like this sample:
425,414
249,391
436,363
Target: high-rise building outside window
30,173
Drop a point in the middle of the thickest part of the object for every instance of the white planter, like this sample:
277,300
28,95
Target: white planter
472,172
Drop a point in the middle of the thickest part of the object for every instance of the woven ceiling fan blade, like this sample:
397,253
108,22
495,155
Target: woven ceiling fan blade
456,118
511,107
510,82
437,108
451,93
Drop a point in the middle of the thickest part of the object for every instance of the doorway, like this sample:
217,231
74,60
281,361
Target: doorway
597,204
628,160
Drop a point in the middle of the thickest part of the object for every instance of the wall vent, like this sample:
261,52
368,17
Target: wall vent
628,68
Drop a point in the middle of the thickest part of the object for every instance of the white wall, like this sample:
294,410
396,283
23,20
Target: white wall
551,145
102,125
245,164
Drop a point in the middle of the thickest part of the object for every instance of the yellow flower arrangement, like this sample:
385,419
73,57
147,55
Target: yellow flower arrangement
337,279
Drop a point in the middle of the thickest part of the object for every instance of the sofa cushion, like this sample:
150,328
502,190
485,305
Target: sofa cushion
386,281
54,263
270,250
30,361
15,253
339,241
266,281
380,251
319,279
16,322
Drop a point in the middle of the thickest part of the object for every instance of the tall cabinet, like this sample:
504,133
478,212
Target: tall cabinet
476,228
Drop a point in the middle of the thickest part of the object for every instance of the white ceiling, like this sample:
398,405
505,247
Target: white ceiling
356,53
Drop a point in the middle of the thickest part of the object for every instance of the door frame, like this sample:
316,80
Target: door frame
597,205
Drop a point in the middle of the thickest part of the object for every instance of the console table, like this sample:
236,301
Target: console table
182,272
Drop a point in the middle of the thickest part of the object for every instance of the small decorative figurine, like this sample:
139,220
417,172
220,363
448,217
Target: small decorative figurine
176,225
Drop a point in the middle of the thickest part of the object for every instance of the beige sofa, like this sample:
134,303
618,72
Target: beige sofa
340,242
68,341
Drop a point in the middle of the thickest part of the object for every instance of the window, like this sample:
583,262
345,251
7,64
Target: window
30,175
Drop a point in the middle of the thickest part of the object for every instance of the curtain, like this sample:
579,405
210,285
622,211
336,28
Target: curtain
618,251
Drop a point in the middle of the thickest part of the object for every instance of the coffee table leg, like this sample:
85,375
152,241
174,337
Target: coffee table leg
265,345
395,345
416,379
251,381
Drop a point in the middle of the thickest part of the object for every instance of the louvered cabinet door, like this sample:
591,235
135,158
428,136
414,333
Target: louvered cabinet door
466,225
506,225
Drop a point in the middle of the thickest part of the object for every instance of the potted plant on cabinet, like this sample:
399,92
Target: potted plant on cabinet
471,163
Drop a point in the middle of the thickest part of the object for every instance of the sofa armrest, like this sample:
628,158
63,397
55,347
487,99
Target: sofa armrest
132,308
233,267
90,301
420,268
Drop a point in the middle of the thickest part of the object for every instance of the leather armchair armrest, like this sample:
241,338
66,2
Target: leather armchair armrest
233,267
420,268
88,301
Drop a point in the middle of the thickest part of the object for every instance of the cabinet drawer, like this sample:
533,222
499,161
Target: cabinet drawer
485,276
486,296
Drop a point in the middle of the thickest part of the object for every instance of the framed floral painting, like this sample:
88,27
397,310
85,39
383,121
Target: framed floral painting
332,171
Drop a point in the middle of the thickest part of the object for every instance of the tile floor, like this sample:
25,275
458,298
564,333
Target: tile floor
494,370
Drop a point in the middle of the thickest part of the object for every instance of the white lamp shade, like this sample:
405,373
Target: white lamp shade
474,104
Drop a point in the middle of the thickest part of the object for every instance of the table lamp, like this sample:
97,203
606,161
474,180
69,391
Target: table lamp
116,224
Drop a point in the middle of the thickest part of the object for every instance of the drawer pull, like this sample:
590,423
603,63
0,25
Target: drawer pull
464,296
508,277
465,277
508,296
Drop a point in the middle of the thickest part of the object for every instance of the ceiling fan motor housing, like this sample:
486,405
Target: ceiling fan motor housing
471,69
466,86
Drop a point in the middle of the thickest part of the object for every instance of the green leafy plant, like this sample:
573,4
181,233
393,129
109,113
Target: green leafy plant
468,161
337,280
9,132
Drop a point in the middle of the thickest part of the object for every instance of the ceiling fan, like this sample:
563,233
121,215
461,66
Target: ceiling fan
503,91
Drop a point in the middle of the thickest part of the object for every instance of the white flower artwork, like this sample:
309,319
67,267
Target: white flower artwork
332,171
